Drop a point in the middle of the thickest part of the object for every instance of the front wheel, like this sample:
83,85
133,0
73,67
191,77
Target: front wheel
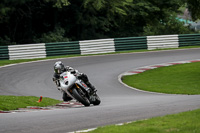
79,95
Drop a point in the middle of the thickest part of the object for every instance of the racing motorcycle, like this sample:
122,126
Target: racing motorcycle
74,88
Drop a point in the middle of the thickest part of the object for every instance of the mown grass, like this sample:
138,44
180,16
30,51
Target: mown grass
14,102
177,79
186,122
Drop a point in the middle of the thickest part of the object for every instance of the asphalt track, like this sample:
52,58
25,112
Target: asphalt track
119,103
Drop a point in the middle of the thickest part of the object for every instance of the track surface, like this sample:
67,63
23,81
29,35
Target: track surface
119,103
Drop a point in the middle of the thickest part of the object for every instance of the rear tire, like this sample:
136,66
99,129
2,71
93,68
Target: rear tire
80,98
97,100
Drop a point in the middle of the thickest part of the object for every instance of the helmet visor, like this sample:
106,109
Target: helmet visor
58,71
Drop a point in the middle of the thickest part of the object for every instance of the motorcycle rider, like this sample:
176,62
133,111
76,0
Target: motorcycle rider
59,68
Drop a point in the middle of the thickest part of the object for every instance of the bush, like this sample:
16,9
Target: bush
172,26
6,41
56,36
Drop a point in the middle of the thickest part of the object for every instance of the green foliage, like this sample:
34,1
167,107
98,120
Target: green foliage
6,41
56,36
146,17
7,6
29,21
171,26
97,4
113,6
59,3
194,8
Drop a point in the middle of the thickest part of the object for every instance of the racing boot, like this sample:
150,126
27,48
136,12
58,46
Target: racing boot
86,80
93,89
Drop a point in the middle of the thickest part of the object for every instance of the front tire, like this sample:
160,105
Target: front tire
81,98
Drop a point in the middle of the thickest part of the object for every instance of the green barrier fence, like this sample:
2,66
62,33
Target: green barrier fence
189,40
62,48
120,44
4,54
130,43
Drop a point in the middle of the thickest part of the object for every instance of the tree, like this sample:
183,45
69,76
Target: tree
194,8
25,19
94,19
59,3
30,21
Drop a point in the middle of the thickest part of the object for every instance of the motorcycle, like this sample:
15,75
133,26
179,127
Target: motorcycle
74,88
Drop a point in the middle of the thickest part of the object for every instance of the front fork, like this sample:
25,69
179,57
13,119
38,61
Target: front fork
90,96
69,91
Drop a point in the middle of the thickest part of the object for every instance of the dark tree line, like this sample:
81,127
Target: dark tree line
35,21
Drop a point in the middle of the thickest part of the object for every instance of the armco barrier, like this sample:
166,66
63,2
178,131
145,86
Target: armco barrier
164,41
189,40
97,46
130,43
62,48
4,53
27,51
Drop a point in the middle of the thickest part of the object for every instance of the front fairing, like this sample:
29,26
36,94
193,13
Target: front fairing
67,80
83,85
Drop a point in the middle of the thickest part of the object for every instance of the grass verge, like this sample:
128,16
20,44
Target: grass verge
177,79
186,122
14,102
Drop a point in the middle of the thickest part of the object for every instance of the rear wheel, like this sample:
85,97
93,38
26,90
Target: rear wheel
80,96
97,100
